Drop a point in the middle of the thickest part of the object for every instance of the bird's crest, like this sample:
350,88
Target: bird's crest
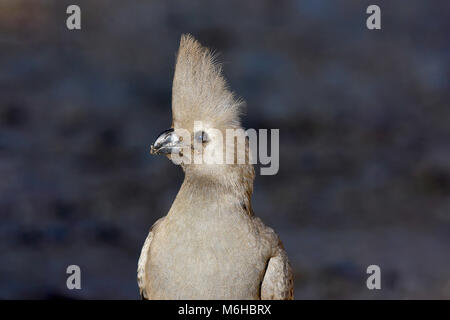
200,92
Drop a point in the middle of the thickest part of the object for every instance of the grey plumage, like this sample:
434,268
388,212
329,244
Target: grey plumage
210,245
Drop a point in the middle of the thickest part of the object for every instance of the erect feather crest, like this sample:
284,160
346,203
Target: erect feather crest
200,92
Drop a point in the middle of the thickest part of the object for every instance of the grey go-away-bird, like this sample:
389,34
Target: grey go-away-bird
210,245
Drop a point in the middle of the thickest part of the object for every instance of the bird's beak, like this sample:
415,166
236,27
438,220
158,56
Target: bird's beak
166,143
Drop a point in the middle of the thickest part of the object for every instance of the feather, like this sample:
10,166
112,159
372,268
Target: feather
200,92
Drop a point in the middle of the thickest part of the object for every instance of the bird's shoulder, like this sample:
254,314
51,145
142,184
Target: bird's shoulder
266,234
278,282
141,275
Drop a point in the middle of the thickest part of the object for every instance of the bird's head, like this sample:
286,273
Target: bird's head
206,137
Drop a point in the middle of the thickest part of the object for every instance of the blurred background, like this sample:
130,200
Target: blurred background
364,121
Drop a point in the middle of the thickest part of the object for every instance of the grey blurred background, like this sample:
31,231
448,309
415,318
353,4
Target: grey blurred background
364,138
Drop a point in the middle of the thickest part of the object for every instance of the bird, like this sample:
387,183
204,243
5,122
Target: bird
210,245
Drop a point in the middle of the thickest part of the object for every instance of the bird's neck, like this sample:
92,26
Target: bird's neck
230,191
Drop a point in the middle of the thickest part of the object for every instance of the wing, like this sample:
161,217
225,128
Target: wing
278,281
141,275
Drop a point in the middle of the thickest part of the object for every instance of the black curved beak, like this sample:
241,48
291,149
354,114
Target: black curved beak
166,143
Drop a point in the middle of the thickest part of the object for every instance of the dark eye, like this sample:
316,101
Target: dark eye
201,136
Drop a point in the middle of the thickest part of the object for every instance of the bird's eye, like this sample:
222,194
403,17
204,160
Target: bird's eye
201,136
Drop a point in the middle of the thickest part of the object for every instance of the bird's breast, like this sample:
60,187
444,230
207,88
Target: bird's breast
206,256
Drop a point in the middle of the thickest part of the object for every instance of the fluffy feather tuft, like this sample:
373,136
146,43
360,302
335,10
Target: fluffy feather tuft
200,92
